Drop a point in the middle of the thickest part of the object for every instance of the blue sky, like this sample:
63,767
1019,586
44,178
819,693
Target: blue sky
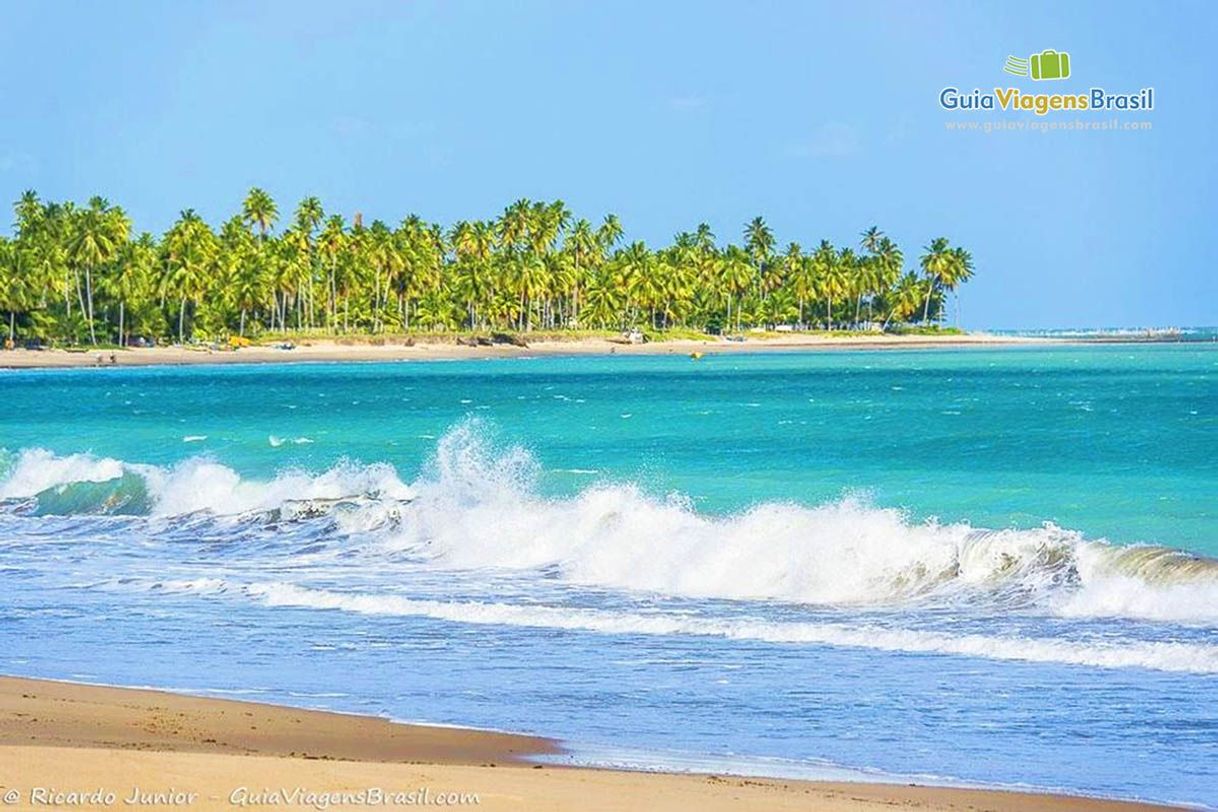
822,117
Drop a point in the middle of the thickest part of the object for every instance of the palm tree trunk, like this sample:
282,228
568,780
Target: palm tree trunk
122,312
182,321
80,297
12,325
376,304
926,308
828,312
89,292
333,300
242,330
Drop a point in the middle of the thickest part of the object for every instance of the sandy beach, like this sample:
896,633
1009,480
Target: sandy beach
65,744
322,351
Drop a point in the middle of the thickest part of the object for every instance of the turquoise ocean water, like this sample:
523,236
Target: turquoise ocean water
978,566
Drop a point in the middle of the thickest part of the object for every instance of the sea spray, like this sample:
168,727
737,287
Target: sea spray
477,506
196,484
35,470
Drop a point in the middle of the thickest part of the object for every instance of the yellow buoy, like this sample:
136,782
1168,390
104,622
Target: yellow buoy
695,355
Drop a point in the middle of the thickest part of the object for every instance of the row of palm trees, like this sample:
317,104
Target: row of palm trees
79,274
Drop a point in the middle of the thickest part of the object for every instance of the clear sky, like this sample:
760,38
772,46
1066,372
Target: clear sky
822,117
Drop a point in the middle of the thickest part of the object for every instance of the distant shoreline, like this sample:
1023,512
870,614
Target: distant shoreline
329,350
202,753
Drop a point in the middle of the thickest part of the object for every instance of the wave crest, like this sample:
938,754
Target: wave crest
85,484
478,507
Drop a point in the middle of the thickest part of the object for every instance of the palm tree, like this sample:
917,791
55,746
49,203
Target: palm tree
633,267
260,211
585,251
603,304
853,278
959,271
871,239
759,242
736,275
798,272
679,272
936,264
529,282
330,245
249,289
386,259
98,234
514,224
462,240
610,232
30,214
190,250
481,249
827,270
905,298
132,277
15,285
876,268
74,272
309,214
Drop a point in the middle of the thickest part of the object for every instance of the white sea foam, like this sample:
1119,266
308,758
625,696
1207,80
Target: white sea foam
276,441
36,470
1164,656
212,586
199,483
476,507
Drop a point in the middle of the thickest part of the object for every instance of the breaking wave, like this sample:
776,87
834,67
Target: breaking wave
84,484
475,506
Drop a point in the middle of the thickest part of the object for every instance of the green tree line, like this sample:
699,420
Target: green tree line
80,275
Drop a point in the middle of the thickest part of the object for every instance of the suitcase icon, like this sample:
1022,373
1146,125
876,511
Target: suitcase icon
1050,64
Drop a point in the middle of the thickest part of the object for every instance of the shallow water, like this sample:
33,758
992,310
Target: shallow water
986,566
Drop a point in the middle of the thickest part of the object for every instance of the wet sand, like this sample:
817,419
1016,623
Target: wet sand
70,745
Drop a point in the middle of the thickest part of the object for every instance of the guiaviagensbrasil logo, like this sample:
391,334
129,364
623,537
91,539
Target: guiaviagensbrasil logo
1048,64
